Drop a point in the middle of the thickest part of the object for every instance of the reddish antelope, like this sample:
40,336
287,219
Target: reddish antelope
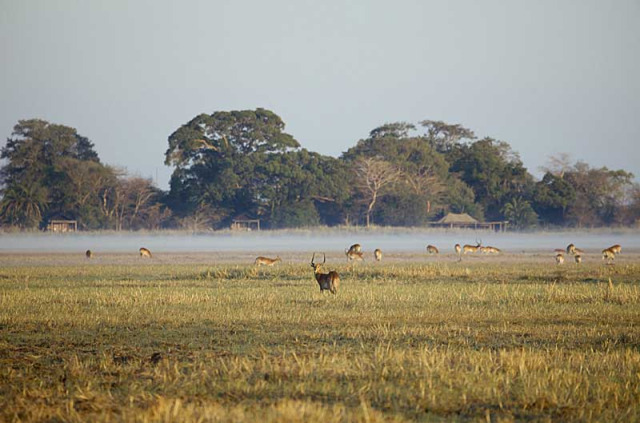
88,254
458,249
377,254
327,281
467,248
356,248
490,250
145,252
354,255
432,249
578,258
615,249
266,261
571,249
608,255
559,258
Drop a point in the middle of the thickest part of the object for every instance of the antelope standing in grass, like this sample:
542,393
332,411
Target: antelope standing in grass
266,261
571,249
467,248
559,258
354,255
578,258
432,249
327,281
615,249
458,250
88,254
608,255
144,252
377,254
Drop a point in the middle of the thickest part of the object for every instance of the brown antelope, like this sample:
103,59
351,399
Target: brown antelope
608,255
458,249
377,254
144,252
266,261
327,281
615,249
578,258
471,248
356,248
490,250
88,254
354,255
559,258
432,249
571,249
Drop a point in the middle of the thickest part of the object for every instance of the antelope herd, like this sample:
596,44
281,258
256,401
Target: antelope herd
331,280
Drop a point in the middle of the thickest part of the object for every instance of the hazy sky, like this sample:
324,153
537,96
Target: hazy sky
545,76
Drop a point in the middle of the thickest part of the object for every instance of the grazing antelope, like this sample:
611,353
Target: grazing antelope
559,258
377,254
490,250
608,255
144,252
615,249
432,249
88,254
559,250
354,255
355,248
578,258
471,248
266,261
327,281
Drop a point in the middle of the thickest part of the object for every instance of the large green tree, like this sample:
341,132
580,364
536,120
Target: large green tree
243,163
494,172
53,167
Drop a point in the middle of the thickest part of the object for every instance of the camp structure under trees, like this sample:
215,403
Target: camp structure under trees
243,163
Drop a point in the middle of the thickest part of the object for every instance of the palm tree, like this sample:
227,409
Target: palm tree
23,205
519,213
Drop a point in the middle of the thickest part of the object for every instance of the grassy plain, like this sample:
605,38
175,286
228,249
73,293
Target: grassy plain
207,338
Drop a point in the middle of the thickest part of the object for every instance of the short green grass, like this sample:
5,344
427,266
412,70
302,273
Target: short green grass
400,342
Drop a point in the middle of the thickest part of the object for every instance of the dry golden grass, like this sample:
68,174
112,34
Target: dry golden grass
400,342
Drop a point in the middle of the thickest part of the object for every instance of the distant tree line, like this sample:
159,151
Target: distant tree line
241,164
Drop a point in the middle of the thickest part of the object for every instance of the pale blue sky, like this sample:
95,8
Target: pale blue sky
545,76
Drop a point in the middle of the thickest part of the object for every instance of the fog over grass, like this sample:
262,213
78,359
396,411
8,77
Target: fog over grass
330,240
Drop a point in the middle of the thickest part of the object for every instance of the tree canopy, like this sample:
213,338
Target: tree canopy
242,164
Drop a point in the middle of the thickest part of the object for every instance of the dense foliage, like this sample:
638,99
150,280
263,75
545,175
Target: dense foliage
242,164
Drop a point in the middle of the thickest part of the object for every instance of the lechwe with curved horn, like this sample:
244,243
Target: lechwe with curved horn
266,261
327,281
467,248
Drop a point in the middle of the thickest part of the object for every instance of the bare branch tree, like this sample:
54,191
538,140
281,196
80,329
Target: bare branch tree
374,175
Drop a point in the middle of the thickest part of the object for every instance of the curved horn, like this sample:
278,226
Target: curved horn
324,258
313,257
